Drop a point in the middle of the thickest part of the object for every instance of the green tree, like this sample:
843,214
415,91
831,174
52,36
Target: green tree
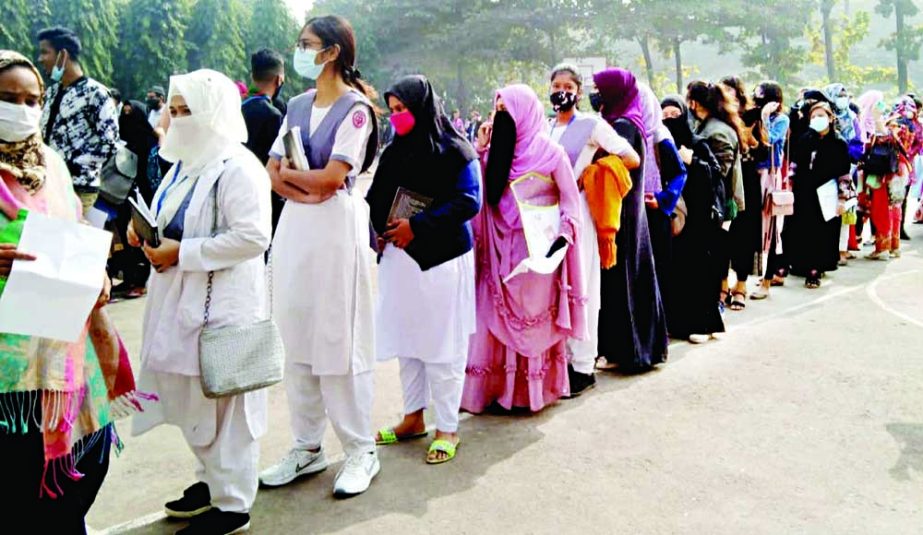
216,37
96,23
906,40
270,25
853,30
16,32
826,8
158,48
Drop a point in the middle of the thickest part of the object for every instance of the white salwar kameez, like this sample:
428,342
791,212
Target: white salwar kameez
322,292
425,318
222,433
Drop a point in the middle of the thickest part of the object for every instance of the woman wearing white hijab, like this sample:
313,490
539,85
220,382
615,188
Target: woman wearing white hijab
212,171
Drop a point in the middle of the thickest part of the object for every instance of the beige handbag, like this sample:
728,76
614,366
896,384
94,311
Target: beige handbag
238,359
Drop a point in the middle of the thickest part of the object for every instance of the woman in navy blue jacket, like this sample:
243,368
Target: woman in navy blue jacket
426,189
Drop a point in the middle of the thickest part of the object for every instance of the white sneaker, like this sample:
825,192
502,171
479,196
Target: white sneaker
356,474
699,338
294,465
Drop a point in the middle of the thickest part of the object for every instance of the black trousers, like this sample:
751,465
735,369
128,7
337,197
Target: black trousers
24,458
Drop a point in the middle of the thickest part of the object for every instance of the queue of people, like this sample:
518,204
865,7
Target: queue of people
514,260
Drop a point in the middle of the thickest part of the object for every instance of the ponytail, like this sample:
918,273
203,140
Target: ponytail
333,30
714,98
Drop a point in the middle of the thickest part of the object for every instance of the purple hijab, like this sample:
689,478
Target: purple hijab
535,151
621,98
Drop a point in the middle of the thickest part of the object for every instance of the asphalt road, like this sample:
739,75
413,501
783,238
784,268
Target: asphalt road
806,417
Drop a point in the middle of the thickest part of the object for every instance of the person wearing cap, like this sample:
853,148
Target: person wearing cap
156,98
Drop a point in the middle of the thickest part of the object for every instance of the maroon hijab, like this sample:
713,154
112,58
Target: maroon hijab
621,98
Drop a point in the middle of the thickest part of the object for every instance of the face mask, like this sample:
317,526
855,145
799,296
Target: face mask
909,114
760,102
18,121
153,103
183,139
278,89
304,63
596,102
57,72
819,124
403,122
842,103
563,101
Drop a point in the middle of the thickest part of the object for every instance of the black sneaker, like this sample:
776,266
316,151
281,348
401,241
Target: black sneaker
195,501
217,522
579,382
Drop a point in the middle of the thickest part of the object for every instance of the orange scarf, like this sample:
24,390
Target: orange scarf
606,182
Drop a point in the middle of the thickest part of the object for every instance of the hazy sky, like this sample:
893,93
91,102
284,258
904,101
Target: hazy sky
299,7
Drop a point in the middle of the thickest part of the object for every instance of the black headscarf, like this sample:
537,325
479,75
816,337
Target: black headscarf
136,131
425,160
678,126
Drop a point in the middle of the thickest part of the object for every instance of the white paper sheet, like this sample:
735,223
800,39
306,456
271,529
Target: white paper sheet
829,197
52,297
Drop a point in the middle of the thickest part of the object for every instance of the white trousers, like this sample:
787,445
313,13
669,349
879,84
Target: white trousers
345,399
583,353
229,465
443,382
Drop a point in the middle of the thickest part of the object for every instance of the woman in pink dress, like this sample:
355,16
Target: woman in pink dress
517,357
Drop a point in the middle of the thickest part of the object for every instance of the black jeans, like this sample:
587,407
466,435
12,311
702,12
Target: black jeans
24,458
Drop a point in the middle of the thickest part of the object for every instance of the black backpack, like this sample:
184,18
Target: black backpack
881,158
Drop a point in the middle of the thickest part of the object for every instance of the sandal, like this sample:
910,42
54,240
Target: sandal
441,446
724,298
812,281
387,437
738,301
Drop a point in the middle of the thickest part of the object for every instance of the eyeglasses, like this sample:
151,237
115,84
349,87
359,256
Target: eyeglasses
304,45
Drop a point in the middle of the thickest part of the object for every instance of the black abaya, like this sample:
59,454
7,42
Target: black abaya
632,322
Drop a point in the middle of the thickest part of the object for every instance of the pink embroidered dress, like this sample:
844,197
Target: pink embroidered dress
517,357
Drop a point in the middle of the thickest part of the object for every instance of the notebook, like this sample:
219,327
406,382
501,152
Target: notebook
144,222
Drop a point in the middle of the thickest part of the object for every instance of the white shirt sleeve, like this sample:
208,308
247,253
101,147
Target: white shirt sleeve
606,137
351,139
278,147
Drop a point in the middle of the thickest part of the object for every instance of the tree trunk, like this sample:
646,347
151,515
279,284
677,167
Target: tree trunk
462,95
644,41
902,39
678,57
826,8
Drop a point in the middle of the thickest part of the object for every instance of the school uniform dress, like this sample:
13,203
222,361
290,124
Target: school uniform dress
322,282
582,139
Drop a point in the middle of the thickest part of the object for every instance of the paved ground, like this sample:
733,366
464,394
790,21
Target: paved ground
807,417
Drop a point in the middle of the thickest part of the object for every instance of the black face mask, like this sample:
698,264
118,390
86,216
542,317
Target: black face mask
679,128
278,90
563,101
500,157
596,101
153,103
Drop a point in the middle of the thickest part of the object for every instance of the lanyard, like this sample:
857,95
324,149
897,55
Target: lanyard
166,191
555,124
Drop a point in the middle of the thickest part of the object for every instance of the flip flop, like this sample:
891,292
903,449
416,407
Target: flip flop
388,437
443,446
737,304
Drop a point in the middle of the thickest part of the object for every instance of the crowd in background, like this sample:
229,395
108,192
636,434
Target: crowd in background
664,209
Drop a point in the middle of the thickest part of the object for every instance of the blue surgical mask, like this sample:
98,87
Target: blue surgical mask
304,63
57,72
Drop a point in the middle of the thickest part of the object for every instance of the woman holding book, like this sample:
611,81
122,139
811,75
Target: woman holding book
322,263
213,212
518,356
426,310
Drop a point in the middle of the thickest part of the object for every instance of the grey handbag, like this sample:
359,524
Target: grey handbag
117,176
238,359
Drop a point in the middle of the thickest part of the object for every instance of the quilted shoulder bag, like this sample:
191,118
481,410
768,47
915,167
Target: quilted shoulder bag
238,359
881,157
117,176
781,198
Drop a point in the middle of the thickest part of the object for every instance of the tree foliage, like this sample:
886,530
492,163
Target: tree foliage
156,53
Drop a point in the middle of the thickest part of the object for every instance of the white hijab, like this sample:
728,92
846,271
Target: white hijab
214,126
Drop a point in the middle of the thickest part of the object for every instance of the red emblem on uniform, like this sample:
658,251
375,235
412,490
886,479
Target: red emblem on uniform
358,119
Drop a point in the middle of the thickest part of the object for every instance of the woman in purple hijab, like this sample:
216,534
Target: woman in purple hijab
517,357
632,323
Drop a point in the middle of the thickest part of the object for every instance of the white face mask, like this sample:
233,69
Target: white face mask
842,103
18,121
185,139
304,63
821,123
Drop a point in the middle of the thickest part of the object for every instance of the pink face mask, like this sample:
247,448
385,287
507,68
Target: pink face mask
403,122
